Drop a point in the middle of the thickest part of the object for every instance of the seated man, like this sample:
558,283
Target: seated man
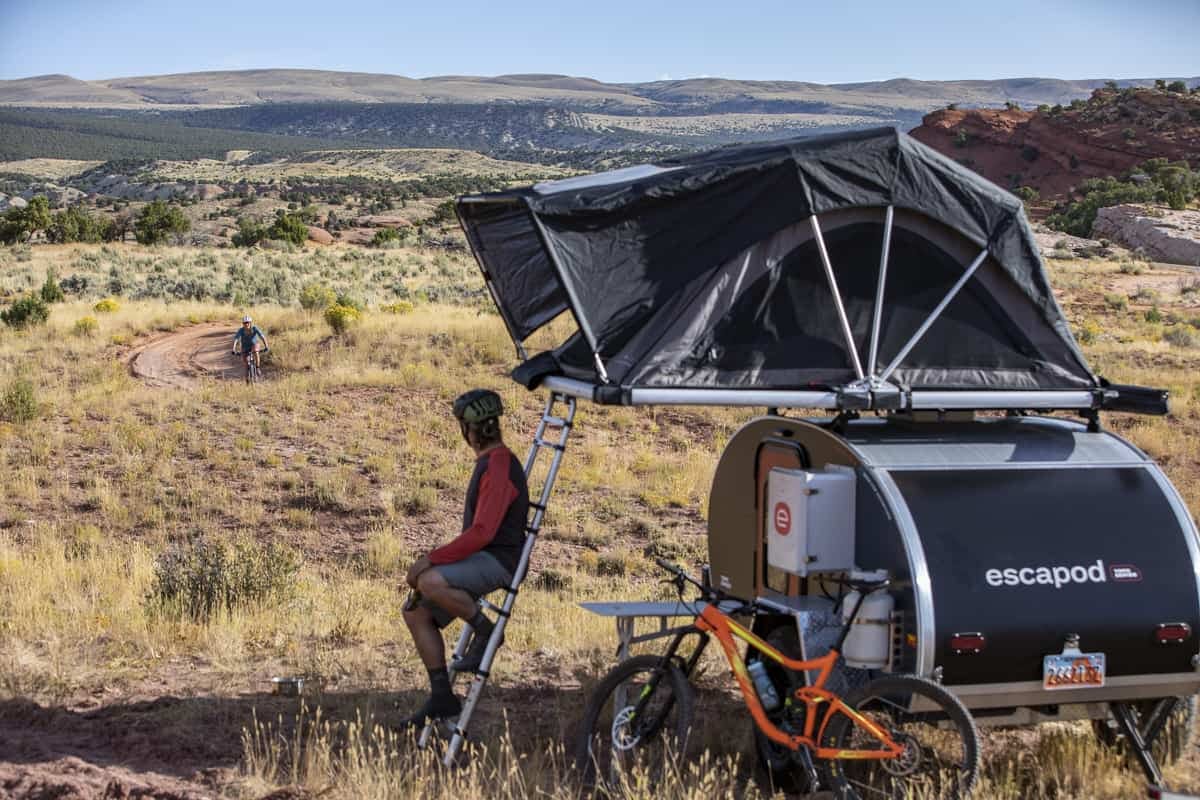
450,579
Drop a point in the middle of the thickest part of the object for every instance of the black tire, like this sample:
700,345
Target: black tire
669,715
941,757
779,768
1174,741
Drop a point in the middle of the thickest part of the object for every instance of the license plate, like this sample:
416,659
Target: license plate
1073,671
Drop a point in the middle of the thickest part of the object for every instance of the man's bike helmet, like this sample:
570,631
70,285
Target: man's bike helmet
477,406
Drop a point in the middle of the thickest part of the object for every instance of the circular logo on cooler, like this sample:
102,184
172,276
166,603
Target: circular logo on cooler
783,519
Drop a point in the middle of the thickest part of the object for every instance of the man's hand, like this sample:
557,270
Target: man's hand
423,563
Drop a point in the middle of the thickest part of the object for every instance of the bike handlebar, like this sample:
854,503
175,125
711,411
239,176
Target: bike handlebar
707,592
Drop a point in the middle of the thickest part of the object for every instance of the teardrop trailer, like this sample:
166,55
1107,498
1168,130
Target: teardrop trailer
1037,567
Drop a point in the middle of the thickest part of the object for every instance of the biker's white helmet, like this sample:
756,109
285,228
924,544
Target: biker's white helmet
247,318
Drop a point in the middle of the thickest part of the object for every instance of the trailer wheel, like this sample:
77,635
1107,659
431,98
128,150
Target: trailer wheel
941,757
780,769
1176,737
611,743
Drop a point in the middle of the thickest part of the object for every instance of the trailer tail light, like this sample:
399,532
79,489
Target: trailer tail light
967,643
1173,633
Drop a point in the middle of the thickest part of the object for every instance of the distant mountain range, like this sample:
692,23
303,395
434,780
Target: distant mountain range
254,87
549,118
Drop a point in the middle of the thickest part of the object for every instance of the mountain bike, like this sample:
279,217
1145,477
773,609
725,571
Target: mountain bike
253,372
899,736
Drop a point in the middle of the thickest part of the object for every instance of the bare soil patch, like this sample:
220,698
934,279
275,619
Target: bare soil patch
177,359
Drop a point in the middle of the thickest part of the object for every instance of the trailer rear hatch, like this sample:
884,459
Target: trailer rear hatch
1027,561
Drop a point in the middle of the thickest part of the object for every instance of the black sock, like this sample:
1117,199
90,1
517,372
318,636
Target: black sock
480,624
439,682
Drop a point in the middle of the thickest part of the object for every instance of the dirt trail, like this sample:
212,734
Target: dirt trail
177,359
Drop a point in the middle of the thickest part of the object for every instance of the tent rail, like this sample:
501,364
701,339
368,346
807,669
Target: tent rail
919,400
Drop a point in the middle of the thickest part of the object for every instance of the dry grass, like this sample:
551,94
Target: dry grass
347,458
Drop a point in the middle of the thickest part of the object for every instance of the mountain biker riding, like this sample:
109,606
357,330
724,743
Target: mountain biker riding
449,580
246,341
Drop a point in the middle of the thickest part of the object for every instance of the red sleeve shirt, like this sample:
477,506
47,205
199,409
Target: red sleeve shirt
496,494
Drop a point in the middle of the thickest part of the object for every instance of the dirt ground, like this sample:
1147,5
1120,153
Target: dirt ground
179,358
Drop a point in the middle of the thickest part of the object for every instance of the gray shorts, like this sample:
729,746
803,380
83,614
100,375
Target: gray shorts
477,574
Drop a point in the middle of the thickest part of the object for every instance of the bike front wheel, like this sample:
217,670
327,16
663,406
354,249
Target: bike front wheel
614,740
940,741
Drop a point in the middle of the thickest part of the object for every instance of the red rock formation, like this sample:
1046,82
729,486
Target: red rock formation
1056,150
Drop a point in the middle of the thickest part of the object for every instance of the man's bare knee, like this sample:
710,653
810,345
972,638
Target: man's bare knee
431,581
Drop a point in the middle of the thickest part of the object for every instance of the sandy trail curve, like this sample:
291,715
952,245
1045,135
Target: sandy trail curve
178,359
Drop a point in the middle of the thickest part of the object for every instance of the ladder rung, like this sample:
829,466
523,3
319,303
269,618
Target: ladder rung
556,422
490,606
553,445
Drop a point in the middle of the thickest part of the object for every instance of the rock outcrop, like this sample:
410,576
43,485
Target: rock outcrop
1159,233
1055,150
319,235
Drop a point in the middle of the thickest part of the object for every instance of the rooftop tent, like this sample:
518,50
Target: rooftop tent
858,270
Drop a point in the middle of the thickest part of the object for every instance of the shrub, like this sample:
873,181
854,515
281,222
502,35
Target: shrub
158,221
75,224
347,299
206,577
106,306
1117,302
19,402
1089,332
1153,315
1027,194
86,327
386,236
962,138
1130,267
20,224
249,232
316,296
1179,87
288,228
30,310
340,318
1180,336
399,307
1156,180
51,291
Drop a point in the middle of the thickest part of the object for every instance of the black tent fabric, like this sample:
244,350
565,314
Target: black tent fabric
708,272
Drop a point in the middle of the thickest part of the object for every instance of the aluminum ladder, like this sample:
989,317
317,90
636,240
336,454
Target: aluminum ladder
551,425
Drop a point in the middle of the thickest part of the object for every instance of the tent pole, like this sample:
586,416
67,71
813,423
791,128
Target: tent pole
837,296
883,265
916,337
584,328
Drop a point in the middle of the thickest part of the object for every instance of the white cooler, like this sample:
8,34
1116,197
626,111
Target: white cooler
810,519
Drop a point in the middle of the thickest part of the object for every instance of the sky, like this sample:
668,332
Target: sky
611,40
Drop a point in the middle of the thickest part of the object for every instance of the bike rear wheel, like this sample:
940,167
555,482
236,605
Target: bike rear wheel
941,743
612,742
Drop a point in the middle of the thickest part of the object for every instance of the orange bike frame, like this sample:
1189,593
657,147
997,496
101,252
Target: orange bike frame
815,697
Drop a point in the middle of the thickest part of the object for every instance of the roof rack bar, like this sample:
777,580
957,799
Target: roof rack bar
1042,400
916,337
733,397
878,317
570,387
837,296
919,399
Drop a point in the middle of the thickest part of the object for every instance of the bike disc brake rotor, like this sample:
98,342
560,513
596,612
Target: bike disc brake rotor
623,737
909,760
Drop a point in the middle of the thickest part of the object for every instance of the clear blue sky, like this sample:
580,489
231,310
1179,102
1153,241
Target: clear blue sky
613,40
